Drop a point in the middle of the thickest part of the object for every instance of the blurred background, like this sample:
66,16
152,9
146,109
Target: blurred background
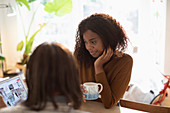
145,22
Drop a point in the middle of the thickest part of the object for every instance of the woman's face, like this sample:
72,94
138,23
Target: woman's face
93,43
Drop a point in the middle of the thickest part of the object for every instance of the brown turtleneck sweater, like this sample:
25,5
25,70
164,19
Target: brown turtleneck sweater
115,78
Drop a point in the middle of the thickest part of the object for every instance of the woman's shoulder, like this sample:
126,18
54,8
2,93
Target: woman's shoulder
127,57
120,59
122,56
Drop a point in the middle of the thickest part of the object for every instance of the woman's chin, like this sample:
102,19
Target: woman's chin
95,56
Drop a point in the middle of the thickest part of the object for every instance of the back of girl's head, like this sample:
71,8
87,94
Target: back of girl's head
110,31
51,71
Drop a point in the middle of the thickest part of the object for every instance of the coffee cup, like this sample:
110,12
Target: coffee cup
93,90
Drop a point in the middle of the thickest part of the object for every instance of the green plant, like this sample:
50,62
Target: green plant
59,7
1,56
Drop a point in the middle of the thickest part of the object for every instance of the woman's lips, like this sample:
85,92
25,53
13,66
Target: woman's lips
93,52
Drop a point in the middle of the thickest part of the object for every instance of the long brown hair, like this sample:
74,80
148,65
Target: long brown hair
111,32
52,69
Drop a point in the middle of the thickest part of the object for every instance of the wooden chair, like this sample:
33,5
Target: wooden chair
144,107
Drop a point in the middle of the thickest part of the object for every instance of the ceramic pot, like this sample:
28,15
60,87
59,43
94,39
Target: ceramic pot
21,67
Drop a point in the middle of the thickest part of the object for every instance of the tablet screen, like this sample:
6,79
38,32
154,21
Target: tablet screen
13,91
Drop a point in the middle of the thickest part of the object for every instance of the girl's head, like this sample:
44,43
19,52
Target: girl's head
51,71
103,26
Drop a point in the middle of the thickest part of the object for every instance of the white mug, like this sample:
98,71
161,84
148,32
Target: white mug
92,90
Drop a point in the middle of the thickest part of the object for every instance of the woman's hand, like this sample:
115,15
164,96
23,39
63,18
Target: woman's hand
101,60
84,91
2,103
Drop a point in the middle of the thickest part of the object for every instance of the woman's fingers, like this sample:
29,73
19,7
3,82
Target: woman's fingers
105,57
108,55
83,98
84,91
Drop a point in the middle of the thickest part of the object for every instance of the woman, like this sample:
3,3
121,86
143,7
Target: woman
100,42
52,80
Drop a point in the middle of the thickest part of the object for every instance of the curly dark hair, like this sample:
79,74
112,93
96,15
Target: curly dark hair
52,69
111,32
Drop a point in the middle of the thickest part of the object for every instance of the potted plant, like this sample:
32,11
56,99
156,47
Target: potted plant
59,7
2,58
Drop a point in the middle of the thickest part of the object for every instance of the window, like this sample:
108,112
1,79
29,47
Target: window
134,15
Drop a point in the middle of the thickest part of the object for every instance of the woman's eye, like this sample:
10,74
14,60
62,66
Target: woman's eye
93,42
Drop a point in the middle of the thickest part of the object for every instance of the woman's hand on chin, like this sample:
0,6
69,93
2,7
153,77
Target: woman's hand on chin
101,60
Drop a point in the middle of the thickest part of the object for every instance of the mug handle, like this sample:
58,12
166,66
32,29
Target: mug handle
101,87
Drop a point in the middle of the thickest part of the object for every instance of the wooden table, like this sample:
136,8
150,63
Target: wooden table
97,107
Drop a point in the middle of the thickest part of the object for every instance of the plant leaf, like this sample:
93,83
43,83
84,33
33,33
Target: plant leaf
2,57
29,46
60,7
31,1
31,40
20,46
25,2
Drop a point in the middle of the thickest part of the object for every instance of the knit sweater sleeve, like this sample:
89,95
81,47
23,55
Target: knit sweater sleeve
114,88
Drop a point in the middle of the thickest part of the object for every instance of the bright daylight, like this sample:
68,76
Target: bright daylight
85,56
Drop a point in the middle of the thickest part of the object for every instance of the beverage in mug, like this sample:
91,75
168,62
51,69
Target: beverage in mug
93,90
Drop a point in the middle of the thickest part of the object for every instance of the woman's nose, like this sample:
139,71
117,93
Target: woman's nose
89,46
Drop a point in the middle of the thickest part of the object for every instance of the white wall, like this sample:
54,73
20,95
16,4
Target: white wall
8,30
167,41
160,11
163,36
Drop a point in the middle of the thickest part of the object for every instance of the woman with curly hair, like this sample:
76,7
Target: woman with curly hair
100,42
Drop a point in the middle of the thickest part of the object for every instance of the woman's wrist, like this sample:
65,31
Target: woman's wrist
98,69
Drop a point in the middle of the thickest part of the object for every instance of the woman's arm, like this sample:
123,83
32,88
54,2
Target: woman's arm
114,90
